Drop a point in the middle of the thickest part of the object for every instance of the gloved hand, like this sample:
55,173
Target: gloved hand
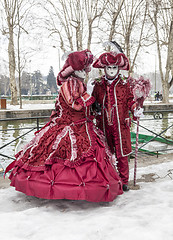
128,122
90,86
138,112
97,108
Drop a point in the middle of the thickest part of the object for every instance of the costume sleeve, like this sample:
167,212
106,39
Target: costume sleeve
94,92
78,103
85,100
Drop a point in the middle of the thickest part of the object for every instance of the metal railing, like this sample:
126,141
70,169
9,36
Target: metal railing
153,138
157,115
38,126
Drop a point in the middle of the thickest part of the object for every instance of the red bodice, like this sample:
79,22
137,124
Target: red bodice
69,136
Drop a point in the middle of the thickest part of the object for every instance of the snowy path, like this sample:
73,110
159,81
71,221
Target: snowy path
144,214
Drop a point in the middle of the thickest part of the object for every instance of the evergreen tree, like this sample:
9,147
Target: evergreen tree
4,85
51,81
26,83
37,83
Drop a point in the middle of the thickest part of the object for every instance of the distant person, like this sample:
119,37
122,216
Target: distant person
157,96
68,158
160,97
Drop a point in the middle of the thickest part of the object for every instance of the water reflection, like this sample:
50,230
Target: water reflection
157,126
10,130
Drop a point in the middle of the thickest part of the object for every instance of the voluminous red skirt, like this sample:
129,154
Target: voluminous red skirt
95,180
40,171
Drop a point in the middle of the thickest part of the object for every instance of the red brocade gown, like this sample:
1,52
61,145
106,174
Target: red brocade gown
68,158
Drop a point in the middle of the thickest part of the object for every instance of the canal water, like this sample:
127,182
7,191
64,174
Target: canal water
17,128
156,123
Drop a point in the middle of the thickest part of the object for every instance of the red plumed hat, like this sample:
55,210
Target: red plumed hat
116,57
75,61
110,58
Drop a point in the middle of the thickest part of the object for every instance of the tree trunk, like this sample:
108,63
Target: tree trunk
19,65
170,47
115,16
12,67
165,89
169,63
89,35
163,79
127,44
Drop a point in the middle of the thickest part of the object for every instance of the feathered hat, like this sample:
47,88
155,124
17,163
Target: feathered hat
75,61
116,57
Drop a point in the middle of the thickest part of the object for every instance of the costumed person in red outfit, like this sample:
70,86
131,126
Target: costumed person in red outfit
114,97
68,158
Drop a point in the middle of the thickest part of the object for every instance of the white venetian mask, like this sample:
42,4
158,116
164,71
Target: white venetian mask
111,70
80,73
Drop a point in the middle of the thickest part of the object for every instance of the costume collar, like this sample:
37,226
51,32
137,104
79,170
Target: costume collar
117,78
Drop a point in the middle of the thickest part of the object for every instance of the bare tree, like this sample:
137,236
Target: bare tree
10,8
161,15
73,21
131,28
126,24
15,21
94,12
169,64
22,19
107,24
113,9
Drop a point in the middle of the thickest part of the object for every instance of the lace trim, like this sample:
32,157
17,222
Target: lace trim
102,138
64,132
32,144
58,105
37,139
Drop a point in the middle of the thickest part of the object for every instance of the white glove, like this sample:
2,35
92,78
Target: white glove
138,112
90,86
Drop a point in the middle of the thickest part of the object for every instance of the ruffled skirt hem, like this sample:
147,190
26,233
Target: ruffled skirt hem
91,181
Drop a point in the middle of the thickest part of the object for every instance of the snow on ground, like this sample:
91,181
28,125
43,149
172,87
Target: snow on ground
144,214
40,105
50,106
31,106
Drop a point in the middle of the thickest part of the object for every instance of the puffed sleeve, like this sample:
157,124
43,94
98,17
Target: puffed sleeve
77,102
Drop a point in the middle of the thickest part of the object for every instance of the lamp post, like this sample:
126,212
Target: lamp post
58,56
155,70
30,78
155,74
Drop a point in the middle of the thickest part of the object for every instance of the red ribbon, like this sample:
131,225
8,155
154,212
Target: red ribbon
10,166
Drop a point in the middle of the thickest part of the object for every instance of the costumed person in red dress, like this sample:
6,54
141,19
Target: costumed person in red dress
115,98
68,158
